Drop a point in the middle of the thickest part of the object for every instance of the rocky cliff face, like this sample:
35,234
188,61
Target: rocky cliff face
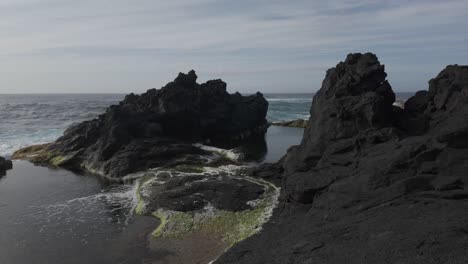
156,129
358,144
370,182
5,165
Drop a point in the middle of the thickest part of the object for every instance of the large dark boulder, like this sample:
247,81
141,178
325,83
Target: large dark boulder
157,128
5,165
370,182
187,194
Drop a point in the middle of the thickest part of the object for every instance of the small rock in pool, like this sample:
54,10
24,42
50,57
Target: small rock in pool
5,165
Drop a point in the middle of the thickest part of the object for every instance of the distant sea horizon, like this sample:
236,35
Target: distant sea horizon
29,119
276,93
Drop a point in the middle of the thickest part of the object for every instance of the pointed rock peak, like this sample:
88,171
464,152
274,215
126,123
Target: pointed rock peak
188,79
192,73
354,97
359,58
451,74
358,74
451,79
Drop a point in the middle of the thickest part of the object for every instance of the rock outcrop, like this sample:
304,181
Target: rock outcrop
5,165
157,128
372,182
171,143
299,123
221,203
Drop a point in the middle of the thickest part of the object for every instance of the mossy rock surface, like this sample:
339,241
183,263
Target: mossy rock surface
229,226
35,153
41,154
299,123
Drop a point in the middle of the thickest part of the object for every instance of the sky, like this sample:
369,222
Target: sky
122,46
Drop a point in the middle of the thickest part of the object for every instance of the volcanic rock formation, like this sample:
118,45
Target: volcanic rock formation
157,128
166,142
372,182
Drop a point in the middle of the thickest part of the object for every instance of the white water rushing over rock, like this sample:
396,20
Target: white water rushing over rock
71,210
232,154
232,227
115,204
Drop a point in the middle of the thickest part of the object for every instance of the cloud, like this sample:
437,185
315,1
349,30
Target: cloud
271,45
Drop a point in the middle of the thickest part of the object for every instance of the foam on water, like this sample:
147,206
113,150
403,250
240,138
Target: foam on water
115,204
232,154
35,119
55,216
20,139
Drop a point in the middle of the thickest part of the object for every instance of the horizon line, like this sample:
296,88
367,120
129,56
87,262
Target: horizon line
144,92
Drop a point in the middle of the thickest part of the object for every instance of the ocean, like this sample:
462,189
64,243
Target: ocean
54,216
40,118
33,119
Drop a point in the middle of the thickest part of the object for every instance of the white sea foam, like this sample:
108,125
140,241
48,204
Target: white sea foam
400,103
115,204
232,154
37,119
11,144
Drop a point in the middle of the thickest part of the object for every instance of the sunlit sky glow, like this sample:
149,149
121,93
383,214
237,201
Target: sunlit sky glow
121,46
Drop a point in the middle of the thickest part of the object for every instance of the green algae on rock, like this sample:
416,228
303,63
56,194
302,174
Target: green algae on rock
35,153
214,219
42,154
299,123
231,227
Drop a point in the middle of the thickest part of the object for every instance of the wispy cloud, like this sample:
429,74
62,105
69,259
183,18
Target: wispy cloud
268,45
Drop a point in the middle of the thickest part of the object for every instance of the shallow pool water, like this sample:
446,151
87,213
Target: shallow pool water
55,216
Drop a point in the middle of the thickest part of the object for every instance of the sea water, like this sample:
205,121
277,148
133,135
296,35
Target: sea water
54,216
33,119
